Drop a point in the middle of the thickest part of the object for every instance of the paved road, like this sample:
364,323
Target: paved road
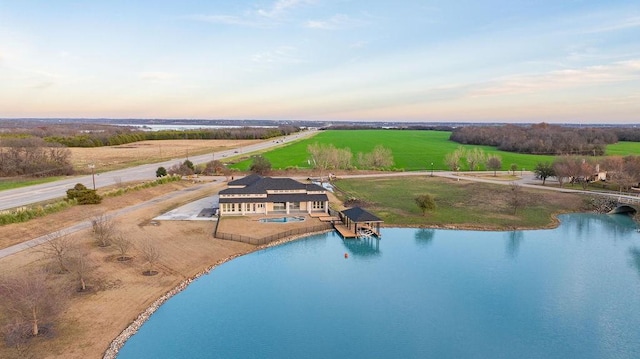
87,224
28,195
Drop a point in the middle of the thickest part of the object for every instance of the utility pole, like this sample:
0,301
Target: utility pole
93,175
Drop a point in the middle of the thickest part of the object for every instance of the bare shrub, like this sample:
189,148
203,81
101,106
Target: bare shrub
57,247
151,254
79,264
123,244
103,229
517,198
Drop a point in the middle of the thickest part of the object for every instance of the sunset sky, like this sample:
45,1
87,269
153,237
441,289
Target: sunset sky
572,61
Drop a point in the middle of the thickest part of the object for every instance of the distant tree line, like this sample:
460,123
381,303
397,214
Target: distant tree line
538,139
33,157
119,137
631,134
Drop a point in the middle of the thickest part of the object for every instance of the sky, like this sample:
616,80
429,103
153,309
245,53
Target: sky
556,61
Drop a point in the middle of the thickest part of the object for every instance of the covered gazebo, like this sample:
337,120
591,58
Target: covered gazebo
360,221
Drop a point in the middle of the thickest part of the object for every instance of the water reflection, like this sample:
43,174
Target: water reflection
617,225
564,296
424,236
514,239
363,247
635,258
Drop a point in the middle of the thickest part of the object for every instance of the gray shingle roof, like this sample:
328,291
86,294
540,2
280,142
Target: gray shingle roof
358,214
255,184
300,197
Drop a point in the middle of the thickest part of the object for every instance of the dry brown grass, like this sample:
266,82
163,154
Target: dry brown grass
119,291
115,157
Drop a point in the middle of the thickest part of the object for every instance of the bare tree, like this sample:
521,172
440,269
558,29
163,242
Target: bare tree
343,158
475,157
379,157
516,198
561,170
494,163
79,263
452,160
623,171
123,244
57,247
29,301
17,336
325,157
586,171
103,229
151,254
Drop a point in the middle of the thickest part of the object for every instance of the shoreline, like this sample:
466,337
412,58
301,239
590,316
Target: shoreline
118,342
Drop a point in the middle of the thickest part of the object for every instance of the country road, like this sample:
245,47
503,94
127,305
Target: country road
25,196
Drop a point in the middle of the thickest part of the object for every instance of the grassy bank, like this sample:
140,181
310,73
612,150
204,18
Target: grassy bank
459,203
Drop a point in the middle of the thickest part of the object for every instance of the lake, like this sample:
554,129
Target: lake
569,292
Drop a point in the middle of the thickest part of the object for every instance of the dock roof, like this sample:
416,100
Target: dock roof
359,215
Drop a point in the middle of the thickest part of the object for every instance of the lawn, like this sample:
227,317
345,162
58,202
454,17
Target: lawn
17,183
623,149
459,203
412,150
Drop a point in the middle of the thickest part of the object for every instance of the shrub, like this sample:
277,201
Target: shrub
161,172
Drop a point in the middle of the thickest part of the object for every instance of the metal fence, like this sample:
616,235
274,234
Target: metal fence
274,237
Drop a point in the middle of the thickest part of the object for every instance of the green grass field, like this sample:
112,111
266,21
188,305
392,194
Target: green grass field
13,183
412,150
459,203
623,149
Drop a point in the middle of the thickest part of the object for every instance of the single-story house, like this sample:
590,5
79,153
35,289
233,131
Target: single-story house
255,194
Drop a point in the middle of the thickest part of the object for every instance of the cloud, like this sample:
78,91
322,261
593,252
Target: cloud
570,78
225,20
339,21
280,7
261,18
280,55
617,24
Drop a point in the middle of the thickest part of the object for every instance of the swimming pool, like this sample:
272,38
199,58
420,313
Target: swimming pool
282,219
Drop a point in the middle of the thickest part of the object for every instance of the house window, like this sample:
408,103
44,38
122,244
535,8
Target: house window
228,207
279,206
318,205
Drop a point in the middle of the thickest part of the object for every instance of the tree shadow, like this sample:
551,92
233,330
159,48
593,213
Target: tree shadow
514,240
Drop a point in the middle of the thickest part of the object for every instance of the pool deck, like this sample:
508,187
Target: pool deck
251,226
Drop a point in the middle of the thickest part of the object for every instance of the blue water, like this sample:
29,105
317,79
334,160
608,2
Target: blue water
570,292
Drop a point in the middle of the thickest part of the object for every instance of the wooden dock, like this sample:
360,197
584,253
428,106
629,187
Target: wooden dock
344,231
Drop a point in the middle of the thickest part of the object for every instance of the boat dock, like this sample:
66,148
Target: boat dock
344,231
